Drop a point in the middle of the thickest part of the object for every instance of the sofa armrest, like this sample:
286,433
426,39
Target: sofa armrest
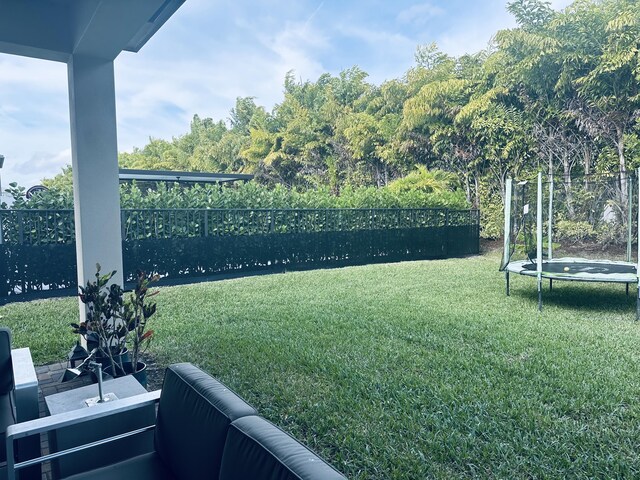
25,385
70,419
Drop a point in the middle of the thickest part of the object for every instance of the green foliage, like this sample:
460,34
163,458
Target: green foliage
611,233
423,180
574,231
492,220
254,195
136,314
103,303
531,14
112,322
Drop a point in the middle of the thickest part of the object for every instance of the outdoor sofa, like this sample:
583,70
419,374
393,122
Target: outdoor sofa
18,400
202,431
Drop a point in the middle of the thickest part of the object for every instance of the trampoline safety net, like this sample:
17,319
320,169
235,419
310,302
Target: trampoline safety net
590,217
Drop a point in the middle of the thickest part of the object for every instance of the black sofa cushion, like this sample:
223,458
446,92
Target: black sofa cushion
6,369
257,449
194,415
6,386
6,419
143,467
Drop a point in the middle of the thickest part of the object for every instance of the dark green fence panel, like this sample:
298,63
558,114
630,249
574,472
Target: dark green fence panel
37,268
207,256
38,253
37,227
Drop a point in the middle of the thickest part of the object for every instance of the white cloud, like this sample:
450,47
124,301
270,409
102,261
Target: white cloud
296,47
40,75
470,34
388,54
47,164
161,88
377,38
34,119
419,14
157,98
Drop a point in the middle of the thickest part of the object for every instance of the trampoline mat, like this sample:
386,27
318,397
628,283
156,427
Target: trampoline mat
579,269
582,267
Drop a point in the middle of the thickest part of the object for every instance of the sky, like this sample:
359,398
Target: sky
213,51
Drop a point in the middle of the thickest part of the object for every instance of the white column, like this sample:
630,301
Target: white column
95,167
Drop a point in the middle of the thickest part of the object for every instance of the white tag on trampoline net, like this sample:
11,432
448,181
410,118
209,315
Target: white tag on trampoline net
525,210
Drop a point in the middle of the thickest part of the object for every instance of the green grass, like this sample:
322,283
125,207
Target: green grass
413,370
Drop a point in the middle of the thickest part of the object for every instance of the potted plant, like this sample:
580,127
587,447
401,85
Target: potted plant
137,312
104,328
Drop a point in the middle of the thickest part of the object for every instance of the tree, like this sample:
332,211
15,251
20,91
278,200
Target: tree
607,84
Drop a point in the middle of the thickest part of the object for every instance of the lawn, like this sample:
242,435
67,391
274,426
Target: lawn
412,370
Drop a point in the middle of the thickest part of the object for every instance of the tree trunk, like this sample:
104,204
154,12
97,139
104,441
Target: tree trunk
467,187
623,166
503,189
587,168
476,181
566,168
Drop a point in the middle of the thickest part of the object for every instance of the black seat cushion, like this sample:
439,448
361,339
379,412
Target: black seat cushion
257,449
6,369
194,415
143,467
6,419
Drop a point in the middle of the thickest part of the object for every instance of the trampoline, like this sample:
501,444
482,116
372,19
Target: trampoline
537,221
578,269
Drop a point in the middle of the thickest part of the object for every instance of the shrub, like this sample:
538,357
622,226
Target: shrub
254,195
611,233
574,232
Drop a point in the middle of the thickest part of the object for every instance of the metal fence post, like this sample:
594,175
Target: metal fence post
477,230
123,231
20,228
445,249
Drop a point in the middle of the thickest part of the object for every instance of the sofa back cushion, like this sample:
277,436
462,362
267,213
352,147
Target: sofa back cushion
194,415
256,449
6,370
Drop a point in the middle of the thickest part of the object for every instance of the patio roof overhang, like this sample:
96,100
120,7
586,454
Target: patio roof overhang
87,35
57,29
169,176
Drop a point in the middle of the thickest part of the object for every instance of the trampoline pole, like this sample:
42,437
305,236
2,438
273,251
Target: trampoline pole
539,294
629,216
507,230
550,232
627,284
550,284
539,240
506,277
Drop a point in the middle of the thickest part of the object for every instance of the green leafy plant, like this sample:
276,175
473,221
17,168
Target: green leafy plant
610,233
18,195
103,324
136,315
574,232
